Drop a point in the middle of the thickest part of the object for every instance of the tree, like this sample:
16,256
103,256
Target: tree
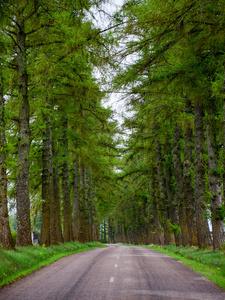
6,239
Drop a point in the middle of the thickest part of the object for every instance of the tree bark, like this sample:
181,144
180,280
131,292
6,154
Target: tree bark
46,156
104,232
6,240
203,233
67,217
48,232
189,199
178,174
214,181
95,219
84,205
90,205
22,180
76,208
56,190
173,211
111,233
224,139
163,194
81,206
157,234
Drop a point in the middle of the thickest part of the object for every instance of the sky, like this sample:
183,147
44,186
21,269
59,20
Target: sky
115,99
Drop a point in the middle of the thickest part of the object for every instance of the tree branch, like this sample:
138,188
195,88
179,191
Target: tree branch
40,27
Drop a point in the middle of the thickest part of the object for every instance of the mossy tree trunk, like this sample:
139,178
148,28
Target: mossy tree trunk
188,190
203,233
76,208
6,240
67,210
90,205
157,234
48,230
84,205
178,175
56,190
163,193
46,156
173,210
22,180
214,179
95,219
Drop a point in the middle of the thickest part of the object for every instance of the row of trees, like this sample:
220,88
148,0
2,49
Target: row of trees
173,80
58,147
57,150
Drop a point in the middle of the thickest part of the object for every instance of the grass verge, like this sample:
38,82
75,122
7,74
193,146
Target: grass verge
210,264
21,261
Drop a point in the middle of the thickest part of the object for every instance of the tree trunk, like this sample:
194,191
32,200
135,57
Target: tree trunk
95,219
22,180
84,205
189,199
76,208
53,207
179,196
214,181
111,233
203,233
163,195
46,157
48,232
6,239
173,211
224,139
145,216
81,206
157,231
104,232
56,190
67,220
90,205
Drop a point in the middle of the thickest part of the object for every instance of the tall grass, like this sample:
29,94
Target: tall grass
22,261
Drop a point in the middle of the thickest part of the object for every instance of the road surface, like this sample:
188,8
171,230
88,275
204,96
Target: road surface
116,272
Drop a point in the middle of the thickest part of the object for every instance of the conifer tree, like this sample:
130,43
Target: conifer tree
6,240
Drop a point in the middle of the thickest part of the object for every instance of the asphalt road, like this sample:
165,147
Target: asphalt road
115,272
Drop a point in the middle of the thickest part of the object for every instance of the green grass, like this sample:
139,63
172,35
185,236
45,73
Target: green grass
210,264
21,261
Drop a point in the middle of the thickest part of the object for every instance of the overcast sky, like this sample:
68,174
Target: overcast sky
114,99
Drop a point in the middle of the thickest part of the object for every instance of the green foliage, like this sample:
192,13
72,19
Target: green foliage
220,213
175,228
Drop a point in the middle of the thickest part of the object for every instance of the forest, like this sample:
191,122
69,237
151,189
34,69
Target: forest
69,170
